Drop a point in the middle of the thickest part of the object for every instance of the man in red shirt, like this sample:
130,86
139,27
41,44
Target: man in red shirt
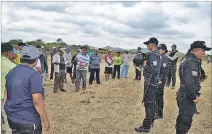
108,65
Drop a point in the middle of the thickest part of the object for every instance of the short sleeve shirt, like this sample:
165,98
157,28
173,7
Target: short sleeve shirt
109,59
117,60
21,82
6,66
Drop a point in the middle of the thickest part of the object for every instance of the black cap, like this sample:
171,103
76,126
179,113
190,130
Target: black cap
163,47
174,45
152,40
21,44
199,44
6,47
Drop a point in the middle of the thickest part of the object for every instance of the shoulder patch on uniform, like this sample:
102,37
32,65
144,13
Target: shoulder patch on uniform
164,64
194,73
155,63
183,60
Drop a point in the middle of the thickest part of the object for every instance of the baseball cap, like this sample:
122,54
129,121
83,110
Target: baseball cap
163,47
53,47
152,40
173,45
78,50
199,44
30,52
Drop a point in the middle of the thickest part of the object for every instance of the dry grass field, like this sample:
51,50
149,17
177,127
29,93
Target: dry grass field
115,108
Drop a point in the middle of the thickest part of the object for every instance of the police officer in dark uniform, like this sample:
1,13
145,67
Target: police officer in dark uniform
188,93
202,72
173,57
151,74
162,81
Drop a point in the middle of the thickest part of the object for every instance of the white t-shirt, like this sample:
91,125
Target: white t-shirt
126,59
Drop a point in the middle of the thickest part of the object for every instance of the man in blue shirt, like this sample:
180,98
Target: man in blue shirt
95,61
24,104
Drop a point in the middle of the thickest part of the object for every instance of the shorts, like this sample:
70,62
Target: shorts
108,70
69,70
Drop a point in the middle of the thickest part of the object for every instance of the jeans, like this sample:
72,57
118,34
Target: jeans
80,74
18,128
94,72
116,69
124,71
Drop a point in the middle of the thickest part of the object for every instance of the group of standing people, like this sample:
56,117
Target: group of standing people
63,63
24,72
156,71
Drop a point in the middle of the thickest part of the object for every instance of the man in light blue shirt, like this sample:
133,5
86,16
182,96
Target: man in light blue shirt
95,61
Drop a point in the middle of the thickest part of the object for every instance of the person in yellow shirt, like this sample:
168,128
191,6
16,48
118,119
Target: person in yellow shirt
7,55
18,56
117,65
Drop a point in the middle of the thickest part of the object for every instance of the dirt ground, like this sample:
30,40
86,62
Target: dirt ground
115,108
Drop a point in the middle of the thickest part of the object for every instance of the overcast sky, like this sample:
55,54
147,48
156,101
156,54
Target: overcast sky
123,24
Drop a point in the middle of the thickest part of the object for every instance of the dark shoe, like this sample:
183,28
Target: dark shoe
158,117
141,129
54,91
98,82
173,87
84,88
63,90
196,112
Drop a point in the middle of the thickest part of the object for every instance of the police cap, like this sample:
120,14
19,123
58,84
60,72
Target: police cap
199,44
152,40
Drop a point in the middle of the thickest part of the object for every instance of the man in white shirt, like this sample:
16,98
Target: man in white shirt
59,62
125,65
69,65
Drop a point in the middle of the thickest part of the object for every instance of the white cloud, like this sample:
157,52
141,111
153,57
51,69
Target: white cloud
100,24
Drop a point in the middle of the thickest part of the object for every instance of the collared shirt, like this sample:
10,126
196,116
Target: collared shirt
56,58
6,66
95,61
82,61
